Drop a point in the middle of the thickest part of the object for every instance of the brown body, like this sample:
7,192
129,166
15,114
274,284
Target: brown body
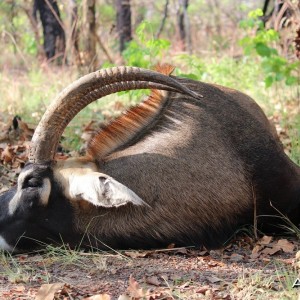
200,166
176,169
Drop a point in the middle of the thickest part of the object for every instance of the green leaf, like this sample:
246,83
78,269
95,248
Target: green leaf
140,31
255,14
291,80
263,50
273,51
272,35
247,40
269,81
245,24
189,75
279,76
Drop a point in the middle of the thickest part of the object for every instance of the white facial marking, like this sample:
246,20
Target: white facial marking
45,191
4,245
23,175
14,202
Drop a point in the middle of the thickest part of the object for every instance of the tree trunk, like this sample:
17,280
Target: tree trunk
184,26
123,23
297,43
89,22
265,17
163,21
217,16
54,35
73,43
265,7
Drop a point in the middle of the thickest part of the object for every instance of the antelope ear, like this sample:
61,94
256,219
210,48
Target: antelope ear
102,190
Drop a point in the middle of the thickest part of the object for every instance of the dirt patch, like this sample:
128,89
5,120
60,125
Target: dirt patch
238,271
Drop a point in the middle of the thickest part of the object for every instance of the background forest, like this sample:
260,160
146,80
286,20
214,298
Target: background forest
247,45
252,46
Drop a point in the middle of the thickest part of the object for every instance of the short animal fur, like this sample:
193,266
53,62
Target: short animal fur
186,166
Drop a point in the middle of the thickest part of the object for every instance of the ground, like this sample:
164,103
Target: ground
247,268
266,269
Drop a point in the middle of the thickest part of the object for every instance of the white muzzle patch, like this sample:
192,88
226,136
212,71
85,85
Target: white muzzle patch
4,245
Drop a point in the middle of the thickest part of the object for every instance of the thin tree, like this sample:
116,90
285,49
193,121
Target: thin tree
265,17
265,7
73,40
184,25
163,21
89,21
53,31
123,23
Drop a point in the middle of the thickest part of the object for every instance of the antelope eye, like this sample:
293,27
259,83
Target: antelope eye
33,182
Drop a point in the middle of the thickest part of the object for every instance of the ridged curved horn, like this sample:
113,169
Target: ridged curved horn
86,90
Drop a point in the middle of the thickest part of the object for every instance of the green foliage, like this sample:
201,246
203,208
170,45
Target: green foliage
31,90
144,52
196,66
253,19
243,74
276,67
30,46
16,29
106,12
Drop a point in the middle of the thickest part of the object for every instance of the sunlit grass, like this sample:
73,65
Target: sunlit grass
267,284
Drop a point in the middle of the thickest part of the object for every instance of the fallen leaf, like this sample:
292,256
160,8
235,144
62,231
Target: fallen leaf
256,249
203,253
7,155
265,240
99,297
182,251
203,289
213,279
134,289
19,289
27,132
124,297
185,285
3,136
271,251
47,291
236,257
286,246
136,254
153,280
